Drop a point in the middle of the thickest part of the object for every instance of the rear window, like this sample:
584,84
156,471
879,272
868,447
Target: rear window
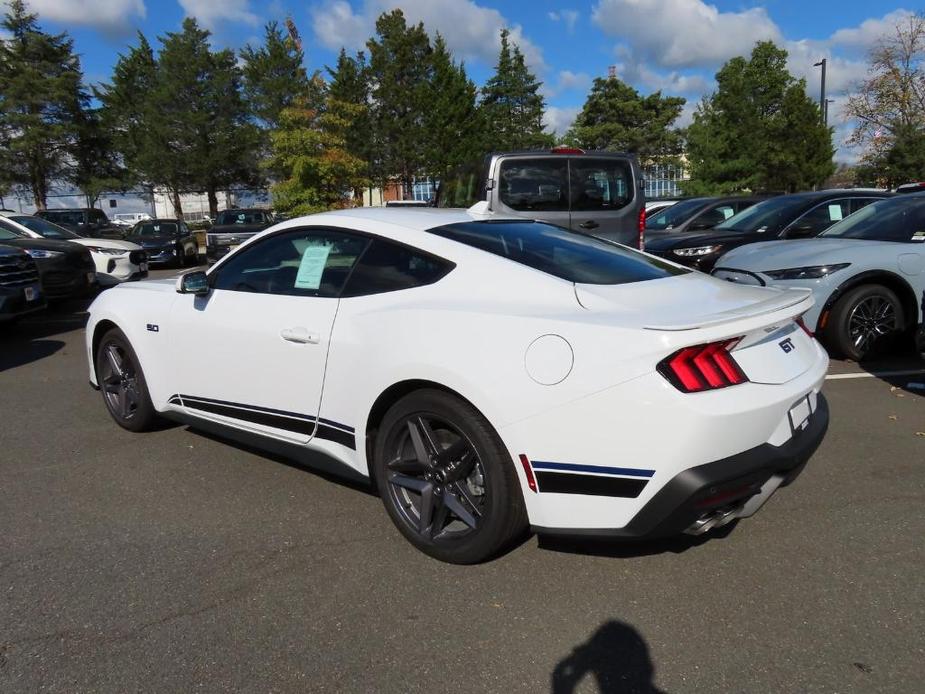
535,185
72,217
242,217
556,251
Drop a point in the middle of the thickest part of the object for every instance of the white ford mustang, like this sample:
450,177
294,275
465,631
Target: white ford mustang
488,375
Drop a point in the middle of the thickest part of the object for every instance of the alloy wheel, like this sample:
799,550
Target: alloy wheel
871,319
436,480
119,381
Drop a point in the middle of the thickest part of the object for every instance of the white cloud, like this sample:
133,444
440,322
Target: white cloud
212,12
568,17
568,80
684,33
558,120
670,83
471,32
862,37
111,16
841,73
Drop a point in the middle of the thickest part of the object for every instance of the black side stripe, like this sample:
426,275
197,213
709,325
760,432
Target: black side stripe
278,419
592,485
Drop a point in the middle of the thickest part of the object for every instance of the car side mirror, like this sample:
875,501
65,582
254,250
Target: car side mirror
193,283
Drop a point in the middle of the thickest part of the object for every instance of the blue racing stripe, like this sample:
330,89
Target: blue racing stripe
599,469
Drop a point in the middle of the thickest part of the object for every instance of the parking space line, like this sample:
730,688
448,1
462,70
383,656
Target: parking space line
875,374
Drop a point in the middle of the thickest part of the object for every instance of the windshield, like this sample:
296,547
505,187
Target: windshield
72,217
556,251
893,219
155,229
677,214
769,216
242,217
44,228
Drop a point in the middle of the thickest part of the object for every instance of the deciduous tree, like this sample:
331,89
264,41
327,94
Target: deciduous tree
888,107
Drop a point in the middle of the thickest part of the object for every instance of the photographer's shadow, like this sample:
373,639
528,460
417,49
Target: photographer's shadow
616,656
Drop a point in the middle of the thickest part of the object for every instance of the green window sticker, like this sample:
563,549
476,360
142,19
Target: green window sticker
311,267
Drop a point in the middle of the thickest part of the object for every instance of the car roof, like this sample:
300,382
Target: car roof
417,218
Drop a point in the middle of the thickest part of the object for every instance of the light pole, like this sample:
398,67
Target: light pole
822,102
825,113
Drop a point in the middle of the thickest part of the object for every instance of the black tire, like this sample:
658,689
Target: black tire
125,393
866,321
477,506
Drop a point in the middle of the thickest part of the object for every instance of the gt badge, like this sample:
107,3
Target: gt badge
787,345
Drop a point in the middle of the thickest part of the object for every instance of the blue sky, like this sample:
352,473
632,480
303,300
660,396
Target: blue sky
672,45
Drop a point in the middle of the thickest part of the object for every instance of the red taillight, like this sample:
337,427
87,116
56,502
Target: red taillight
703,367
567,150
528,471
642,228
802,324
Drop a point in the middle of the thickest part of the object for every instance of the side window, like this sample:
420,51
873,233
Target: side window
718,214
309,262
600,184
99,217
388,267
860,203
535,185
184,230
823,216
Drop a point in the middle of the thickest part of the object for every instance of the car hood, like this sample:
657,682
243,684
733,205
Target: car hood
151,241
45,244
108,243
685,302
779,255
666,240
237,228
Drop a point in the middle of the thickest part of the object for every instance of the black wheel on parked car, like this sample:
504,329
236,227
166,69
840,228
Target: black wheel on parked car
122,383
446,479
865,321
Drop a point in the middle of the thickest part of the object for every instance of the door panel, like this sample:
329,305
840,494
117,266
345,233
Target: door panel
253,352
602,201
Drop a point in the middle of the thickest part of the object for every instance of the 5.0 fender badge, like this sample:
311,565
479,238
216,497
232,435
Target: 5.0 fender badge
153,328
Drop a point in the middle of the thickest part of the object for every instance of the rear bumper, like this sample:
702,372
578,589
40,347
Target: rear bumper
719,486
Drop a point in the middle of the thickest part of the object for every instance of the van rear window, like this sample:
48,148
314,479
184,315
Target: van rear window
556,251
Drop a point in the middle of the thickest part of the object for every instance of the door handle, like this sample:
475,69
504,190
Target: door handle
300,335
590,224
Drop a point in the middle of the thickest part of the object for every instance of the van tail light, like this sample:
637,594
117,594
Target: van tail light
641,226
703,367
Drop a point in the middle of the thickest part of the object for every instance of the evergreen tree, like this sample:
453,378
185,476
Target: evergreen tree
452,124
511,103
348,94
95,165
759,131
275,77
180,120
319,173
399,72
40,96
127,117
616,117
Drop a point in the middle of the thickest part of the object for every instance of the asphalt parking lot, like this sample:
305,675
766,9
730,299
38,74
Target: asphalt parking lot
172,561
